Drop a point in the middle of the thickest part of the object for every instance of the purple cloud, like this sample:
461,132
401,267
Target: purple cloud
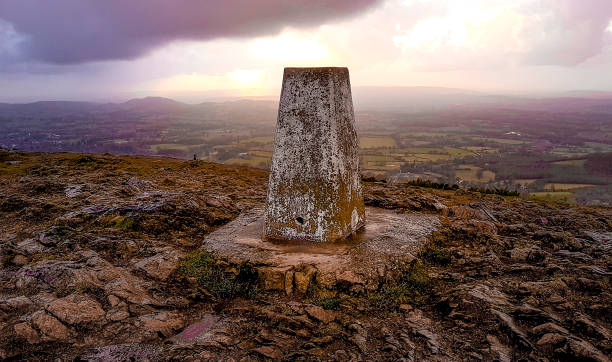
77,31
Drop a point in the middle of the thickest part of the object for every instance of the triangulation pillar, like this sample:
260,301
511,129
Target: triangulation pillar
314,193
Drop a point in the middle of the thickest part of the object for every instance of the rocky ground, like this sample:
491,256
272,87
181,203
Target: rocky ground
100,261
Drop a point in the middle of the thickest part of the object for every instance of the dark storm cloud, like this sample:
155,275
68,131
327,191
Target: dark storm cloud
77,31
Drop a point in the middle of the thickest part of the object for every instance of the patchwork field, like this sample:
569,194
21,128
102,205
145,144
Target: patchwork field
565,187
472,154
169,146
257,140
554,196
259,162
577,163
474,174
525,182
377,142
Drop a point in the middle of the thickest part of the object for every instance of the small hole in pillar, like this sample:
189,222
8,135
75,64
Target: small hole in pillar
300,220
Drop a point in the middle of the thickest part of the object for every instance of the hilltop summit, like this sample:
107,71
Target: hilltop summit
101,260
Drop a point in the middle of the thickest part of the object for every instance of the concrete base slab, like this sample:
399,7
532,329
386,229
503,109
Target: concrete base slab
359,260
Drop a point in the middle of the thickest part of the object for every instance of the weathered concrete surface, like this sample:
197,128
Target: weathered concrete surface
314,192
359,259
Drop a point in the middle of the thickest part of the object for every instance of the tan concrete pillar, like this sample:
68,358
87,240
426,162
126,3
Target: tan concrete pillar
315,191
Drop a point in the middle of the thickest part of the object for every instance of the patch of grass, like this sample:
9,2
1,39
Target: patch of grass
318,295
436,255
332,329
331,303
413,286
202,268
124,223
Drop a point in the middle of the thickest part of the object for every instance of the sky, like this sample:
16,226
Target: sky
113,50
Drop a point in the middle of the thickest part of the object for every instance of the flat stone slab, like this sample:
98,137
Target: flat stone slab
387,235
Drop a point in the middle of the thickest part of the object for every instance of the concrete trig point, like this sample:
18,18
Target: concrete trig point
314,193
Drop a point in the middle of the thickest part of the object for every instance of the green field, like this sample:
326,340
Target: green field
413,150
427,157
450,153
576,163
169,146
554,196
261,154
502,140
565,187
525,182
257,140
458,152
260,162
377,158
423,134
470,173
382,167
598,147
416,143
377,142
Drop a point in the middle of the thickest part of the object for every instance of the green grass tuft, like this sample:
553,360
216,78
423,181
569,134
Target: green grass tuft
331,303
124,223
201,267
413,286
436,255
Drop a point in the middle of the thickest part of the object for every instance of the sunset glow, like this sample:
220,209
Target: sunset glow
245,76
488,45
288,47
237,79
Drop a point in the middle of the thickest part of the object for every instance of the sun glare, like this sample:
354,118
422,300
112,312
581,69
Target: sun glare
237,79
245,76
288,47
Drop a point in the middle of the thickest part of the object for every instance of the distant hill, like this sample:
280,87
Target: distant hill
158,106
395,99
154,105
48,108
424,99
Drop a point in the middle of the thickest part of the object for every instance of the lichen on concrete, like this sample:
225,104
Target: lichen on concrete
314,191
